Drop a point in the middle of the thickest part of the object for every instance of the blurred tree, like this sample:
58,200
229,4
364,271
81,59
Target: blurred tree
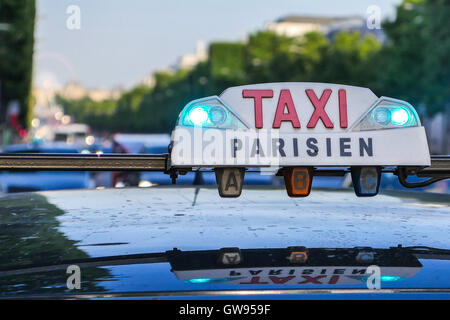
311,47
347,60
267,57
415,59
436,78
98,114
121,114
401,59
127,113
411,65
17,19
159,108
262,49
227,59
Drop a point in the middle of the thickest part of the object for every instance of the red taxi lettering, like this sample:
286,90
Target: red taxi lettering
254,280
285,100
333,280
314,280
319,108
343,108
257,96
280,280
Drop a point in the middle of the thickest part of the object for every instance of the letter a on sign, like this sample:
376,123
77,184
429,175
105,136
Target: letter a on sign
285,101
230,181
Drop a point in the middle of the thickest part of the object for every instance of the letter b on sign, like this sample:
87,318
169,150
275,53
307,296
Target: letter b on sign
298,181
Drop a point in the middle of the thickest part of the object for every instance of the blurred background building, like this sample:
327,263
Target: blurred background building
297,26
190,60
74,90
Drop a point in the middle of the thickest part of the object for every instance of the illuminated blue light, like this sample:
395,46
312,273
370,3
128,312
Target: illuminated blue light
399,116
200,280
198,116
207,280
390,278
384,278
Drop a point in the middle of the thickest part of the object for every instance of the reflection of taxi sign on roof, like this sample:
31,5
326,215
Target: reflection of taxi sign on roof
299,128
293,266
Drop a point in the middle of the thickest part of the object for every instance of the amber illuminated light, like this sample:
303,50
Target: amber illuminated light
298,181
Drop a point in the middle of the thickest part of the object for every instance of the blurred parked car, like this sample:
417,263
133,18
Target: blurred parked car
160,144
152,178
254,176
43,180
74,134
137,143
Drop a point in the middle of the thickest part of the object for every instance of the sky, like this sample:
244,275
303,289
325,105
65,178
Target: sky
119,42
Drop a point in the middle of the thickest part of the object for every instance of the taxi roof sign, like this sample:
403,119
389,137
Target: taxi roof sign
298,124
292,127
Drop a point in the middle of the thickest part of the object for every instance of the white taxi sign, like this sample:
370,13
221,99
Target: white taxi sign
298,124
